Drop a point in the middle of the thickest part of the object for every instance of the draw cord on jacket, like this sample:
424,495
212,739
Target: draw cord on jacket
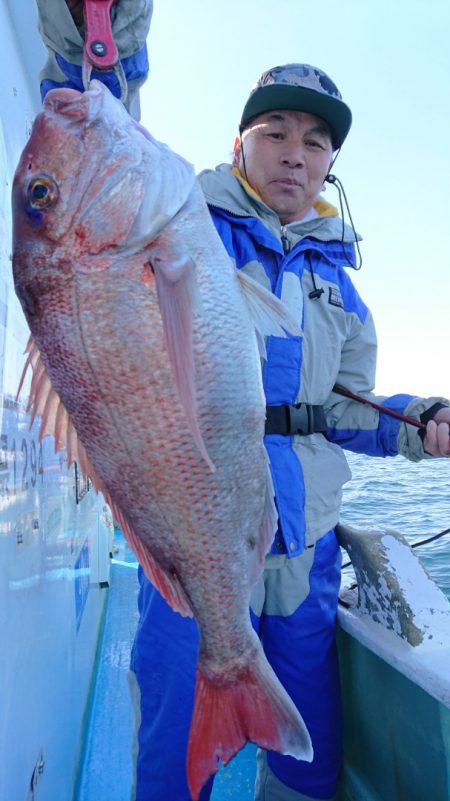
334,180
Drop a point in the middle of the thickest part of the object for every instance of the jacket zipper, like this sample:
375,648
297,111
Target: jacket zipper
285,240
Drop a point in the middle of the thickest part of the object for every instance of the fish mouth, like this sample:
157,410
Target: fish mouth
68,103
75,106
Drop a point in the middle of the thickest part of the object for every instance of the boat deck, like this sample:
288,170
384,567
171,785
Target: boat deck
106,767
390,753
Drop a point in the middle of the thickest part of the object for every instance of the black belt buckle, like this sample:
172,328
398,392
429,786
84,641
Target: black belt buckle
299,419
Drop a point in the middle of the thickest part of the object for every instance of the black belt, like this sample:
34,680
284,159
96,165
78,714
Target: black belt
303,418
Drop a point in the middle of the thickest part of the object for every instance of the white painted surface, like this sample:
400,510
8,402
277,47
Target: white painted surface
53,550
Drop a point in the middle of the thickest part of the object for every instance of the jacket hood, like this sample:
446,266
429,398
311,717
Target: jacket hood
226,189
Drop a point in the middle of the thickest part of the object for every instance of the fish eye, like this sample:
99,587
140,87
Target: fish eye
42,193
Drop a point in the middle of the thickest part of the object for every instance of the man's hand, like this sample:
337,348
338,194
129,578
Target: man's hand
437,438
76,9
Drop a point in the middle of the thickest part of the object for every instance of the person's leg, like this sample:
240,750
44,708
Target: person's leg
300,645
164,661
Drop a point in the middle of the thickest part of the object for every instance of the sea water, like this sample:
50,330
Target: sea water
412,498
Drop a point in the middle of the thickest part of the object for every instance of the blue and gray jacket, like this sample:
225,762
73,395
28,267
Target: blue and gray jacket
338,346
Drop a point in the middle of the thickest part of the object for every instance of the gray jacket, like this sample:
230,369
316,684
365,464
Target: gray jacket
338,346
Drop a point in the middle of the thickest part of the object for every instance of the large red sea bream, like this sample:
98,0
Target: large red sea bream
146,369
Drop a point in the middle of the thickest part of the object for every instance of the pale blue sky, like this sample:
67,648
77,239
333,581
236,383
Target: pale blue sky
391,62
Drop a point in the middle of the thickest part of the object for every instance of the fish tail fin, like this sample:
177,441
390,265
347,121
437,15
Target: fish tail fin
253,707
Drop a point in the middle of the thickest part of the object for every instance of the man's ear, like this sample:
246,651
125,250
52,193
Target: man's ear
237,151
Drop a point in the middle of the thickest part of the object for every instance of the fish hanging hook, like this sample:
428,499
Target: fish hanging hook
100,50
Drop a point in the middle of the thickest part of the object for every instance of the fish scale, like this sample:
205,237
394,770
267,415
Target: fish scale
143,336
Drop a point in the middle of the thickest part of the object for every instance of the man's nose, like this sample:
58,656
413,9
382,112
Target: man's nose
294,156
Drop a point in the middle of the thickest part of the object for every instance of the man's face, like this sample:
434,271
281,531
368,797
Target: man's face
287,155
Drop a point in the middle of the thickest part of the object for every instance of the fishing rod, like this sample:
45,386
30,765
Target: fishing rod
340,390
415,544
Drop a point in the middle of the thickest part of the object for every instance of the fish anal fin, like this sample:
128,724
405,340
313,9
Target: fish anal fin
250,706
44,402
167,584
177,297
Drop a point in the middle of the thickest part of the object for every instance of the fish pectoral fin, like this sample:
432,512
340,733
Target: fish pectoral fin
168,584
177,297
269,314
44,402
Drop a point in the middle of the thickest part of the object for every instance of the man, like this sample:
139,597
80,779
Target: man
274,225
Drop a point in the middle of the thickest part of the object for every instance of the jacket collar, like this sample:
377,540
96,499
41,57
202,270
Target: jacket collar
226,189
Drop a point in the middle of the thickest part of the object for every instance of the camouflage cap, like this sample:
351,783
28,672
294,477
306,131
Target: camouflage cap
299,87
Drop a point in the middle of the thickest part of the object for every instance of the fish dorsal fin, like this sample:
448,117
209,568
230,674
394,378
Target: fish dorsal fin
44,402
269,314
177,297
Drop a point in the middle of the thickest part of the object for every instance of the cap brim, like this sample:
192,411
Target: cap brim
298,98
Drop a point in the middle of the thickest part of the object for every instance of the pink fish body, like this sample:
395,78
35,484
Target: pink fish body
146,369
